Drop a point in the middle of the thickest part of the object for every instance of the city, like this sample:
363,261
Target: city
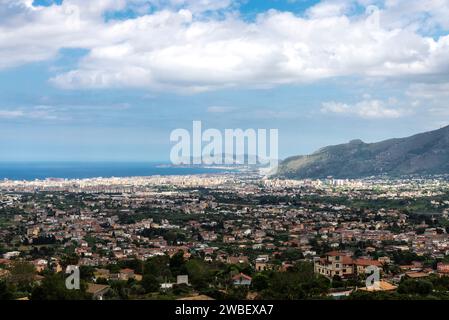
181,159
234,235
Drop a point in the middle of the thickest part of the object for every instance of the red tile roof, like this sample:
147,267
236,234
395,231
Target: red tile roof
241,276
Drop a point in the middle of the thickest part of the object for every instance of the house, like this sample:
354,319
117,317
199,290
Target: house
286,266
443,268
241,279
361,265
338,263
182,279
126,274
102,273
416,275
97,290
237,260
5,262
262,266
11,254
335,263
40,264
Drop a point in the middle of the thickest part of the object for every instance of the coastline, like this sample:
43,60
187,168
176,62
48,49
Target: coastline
30,171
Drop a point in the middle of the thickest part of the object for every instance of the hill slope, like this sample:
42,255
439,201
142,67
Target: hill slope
424,153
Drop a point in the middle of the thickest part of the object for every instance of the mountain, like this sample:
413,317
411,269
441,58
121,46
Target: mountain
424,153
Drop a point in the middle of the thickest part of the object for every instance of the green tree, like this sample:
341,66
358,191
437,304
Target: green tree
6,292
158,266
260,282
419,287
237,293
22,275
53,288
150,283
177,264
297,283
199,274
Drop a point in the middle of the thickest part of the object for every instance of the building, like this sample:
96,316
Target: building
182,279
102,273
97,290
126,274
241,279
237,260
338,263
443,268
262,266
361,265
335,263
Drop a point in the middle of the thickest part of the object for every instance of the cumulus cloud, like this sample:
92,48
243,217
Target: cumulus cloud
179,48
367,109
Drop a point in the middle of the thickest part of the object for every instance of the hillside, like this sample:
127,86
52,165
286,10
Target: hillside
424,153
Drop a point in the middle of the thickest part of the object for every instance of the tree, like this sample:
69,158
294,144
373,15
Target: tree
181,289
6,293
260,282
337,282
292,255
440,283
53,288
158,266
22,275
284,286
177,264
102,281
420,287
120,290
297,283
150,283
199,273
86,272
237,293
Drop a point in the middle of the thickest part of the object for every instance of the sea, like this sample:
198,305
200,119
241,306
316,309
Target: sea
83,170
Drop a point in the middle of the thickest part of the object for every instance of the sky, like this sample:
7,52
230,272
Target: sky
108,80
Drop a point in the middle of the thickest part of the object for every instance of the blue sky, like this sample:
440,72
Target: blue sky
111,80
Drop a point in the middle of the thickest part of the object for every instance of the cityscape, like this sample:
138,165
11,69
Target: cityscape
224,158
232,235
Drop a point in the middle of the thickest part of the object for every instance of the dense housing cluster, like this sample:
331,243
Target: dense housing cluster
224,236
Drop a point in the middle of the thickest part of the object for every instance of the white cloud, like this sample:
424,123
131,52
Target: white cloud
220,109
8,114
327,9
37,112
429,90
180,48
367,109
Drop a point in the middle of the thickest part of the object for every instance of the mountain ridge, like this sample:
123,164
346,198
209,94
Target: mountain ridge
422,153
